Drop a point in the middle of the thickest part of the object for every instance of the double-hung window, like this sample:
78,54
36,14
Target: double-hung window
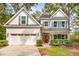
55,23
22,20
63,23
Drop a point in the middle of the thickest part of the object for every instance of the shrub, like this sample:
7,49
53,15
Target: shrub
68,42
3,42
63,41
54,42
39,42
59,42
75,36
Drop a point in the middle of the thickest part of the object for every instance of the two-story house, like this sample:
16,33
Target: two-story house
23,29
54,26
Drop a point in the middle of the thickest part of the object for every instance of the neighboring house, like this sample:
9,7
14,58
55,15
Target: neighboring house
23,29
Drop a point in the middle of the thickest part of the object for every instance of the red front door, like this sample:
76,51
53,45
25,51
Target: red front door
46,39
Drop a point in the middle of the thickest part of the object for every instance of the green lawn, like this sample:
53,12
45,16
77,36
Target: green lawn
55,51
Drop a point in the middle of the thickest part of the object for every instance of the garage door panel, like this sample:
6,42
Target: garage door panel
14,40
23,39
31,40
26,36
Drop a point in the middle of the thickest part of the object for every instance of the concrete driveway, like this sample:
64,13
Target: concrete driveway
19,51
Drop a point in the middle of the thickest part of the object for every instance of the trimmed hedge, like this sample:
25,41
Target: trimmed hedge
68,43
54,43
39,42
3,43
75,37
59,42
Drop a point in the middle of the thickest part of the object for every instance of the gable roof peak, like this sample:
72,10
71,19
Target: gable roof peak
22,9
60,11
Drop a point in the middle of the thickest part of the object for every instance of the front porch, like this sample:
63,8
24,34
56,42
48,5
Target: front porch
48,36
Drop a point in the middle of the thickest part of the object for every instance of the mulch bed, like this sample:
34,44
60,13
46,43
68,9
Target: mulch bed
74,50
43,52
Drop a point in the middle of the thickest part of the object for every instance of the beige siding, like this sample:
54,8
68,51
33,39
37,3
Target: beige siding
59,14
15,21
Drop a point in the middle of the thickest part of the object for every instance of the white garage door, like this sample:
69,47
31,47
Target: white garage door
23,39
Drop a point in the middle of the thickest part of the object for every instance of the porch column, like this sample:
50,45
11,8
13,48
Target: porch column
68,35
50,36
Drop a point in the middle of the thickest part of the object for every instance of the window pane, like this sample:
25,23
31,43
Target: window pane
59,36
63,23
23,19
63,36
55,23
23,22
55,36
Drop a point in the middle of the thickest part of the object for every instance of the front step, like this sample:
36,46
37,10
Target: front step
46,45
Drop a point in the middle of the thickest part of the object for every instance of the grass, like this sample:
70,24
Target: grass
55,51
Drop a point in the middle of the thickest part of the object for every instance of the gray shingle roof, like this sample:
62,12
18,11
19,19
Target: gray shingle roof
46,15
59,18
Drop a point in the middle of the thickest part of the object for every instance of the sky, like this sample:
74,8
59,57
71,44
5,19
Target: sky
38,7
9,8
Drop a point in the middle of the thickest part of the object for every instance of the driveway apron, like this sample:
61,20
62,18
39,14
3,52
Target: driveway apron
19,51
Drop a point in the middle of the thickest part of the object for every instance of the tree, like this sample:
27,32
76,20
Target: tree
2,32
36,14
66,7
4,16
28,6
50,7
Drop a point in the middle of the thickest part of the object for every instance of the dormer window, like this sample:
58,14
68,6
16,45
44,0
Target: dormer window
23,20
